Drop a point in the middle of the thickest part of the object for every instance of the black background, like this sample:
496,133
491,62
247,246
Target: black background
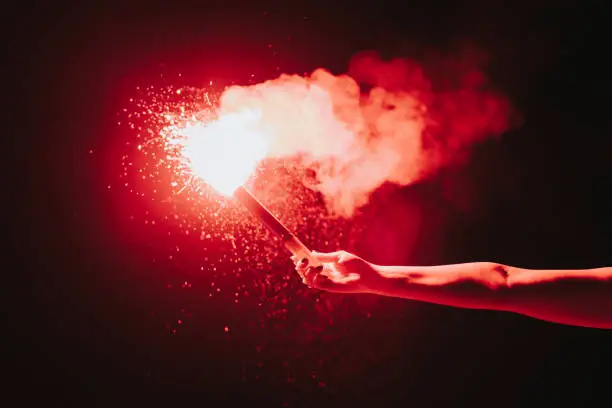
77,328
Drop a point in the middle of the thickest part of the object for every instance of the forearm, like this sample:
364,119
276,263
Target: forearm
477,285
576,297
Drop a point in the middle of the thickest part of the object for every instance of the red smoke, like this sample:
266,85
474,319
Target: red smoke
383,121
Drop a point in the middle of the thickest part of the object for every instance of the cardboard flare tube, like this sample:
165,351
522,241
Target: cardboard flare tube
291,242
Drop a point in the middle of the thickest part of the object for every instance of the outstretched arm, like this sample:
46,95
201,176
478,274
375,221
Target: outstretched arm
573,297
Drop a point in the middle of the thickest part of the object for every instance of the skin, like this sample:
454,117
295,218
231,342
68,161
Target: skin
581,297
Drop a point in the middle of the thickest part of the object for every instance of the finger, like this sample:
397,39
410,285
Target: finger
328,257
297,260
310,275
327,280
302,264
323,282
301,267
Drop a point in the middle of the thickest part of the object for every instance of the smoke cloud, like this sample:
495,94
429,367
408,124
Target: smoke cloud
382,121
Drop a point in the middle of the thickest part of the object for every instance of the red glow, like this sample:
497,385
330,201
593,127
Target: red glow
398,132
222,152
326,145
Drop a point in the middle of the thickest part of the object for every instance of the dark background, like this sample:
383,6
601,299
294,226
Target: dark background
78,300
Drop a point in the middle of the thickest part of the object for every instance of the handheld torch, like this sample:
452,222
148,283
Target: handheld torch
289,240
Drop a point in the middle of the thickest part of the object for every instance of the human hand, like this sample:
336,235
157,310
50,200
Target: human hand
340,272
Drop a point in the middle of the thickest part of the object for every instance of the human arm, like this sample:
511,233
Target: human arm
573,297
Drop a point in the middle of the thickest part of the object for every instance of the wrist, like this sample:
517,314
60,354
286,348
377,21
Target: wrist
391,280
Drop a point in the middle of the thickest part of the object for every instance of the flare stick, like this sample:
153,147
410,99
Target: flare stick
291,242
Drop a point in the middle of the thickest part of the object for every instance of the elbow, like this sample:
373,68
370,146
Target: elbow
500,285
498,277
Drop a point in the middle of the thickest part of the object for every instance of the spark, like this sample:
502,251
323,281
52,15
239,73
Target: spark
224,252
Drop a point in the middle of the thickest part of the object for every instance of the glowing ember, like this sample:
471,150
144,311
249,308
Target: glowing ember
223,152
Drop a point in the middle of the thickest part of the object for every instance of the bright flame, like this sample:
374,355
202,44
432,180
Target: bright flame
224,152
384,121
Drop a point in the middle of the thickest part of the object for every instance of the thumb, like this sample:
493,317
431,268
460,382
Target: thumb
328,257
323,281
